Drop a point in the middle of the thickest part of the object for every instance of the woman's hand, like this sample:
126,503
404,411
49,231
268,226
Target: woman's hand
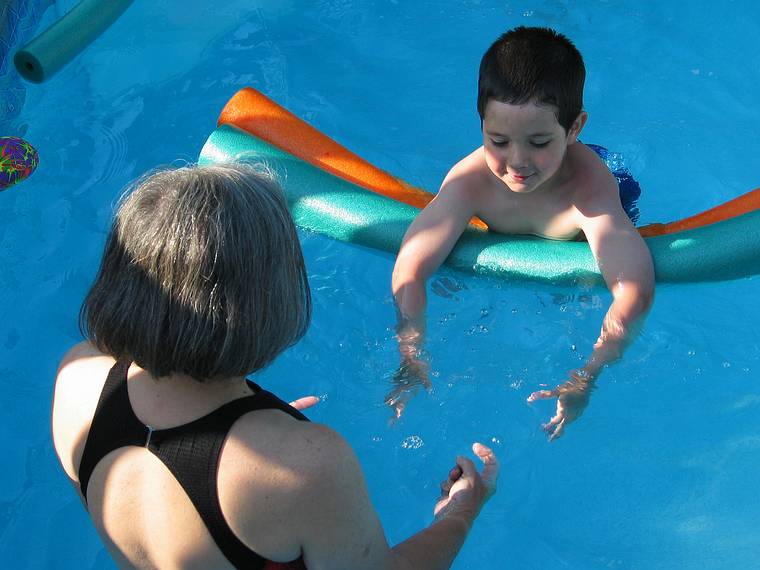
305,402
465,491
572,398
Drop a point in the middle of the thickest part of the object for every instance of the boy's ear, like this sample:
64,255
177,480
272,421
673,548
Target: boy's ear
577,127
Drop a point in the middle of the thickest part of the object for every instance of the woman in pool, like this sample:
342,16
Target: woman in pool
180,461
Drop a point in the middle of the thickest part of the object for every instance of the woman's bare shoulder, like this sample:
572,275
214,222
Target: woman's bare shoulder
78,383
82,356
275,467
303,447
301,459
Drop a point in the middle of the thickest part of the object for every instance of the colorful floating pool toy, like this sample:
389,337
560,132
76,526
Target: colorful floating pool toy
334,192
18,159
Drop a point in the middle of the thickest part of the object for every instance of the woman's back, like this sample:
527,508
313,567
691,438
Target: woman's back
138,505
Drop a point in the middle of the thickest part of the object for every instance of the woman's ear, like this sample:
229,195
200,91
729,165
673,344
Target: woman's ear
577,127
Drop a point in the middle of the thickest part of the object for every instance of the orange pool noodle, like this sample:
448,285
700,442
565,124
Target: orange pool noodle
736,207
257,114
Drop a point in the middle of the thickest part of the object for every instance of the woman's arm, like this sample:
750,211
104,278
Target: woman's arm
340,528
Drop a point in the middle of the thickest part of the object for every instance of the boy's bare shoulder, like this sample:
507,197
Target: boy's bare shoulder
469,177
594,185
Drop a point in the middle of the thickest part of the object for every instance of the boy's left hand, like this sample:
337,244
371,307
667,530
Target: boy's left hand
406,382
572,398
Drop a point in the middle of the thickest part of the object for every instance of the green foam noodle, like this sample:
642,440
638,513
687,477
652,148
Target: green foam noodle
329,205
42,57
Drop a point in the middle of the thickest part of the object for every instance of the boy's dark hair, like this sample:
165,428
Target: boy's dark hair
202,275
527,64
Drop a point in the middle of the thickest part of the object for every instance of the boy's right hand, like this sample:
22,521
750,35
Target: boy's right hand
465,491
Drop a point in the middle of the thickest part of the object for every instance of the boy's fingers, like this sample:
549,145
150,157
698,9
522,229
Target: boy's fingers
558,431
549,426
542,395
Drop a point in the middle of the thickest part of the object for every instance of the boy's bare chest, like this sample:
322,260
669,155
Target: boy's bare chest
554,218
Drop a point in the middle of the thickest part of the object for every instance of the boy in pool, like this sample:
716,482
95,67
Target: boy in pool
531,176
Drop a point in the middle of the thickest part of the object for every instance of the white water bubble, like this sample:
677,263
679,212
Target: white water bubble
412,442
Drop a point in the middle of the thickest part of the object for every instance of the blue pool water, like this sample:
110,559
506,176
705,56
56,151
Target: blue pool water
659,473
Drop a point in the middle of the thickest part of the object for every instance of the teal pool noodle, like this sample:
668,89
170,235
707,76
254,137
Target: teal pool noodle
329,205
42,57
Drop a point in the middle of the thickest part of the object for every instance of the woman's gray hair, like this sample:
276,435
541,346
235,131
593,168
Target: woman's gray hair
202,275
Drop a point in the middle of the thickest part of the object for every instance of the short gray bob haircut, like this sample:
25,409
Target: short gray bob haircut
202,275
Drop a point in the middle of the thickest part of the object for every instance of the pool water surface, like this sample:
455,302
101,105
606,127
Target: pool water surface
659,471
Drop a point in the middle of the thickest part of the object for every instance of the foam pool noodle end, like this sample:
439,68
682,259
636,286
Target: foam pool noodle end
46,54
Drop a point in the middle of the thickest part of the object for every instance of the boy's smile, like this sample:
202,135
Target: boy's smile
524,145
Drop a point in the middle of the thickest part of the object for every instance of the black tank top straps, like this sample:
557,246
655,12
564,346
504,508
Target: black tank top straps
190,451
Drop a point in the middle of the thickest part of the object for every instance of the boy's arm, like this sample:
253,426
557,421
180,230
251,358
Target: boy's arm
626,266
427,243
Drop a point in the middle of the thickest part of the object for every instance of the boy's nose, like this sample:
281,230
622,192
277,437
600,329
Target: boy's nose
516,159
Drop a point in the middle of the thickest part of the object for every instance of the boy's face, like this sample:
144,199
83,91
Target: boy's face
524,144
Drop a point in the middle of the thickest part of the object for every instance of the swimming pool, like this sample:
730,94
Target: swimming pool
660,470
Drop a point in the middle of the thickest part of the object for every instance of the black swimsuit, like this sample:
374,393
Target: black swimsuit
190,451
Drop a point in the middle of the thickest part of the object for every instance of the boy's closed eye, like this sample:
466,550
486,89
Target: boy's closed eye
541,144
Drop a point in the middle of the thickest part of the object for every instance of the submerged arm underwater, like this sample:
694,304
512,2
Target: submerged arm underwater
626,265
